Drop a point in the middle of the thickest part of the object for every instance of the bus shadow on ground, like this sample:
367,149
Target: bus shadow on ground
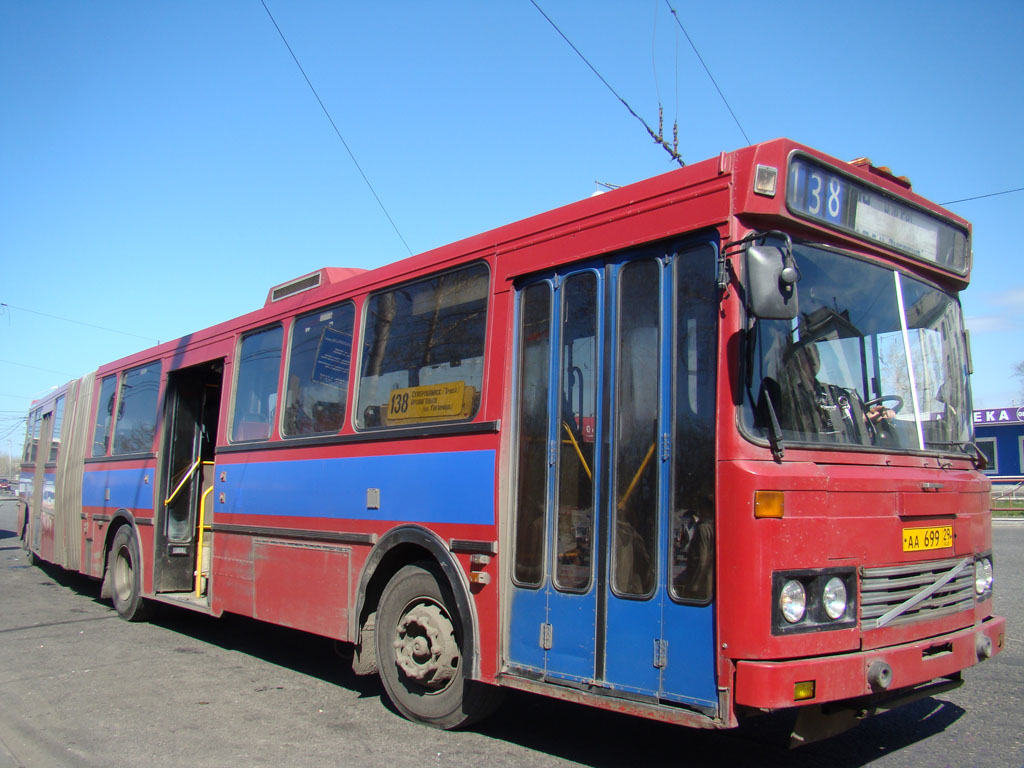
308,654
603,739
80,583
569,731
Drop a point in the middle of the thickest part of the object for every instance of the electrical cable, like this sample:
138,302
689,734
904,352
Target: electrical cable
35,367
77,322
712,77
979,197
338,132
657,139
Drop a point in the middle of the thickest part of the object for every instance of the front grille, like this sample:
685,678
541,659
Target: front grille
883,590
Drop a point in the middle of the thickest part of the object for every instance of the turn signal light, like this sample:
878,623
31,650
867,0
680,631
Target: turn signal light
768,504
476,564
803,691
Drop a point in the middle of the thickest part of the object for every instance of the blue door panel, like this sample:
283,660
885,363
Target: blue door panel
631,630
529,611
573,631
689,673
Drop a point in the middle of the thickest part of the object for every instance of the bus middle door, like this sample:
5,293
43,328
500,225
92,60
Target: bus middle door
608,453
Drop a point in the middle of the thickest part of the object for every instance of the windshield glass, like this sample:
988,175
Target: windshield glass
874,358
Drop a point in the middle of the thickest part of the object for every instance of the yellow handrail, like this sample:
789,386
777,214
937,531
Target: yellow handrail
188,474
199,545
583,461
636,477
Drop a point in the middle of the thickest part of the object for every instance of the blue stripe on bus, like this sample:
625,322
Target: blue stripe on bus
128,488
453,487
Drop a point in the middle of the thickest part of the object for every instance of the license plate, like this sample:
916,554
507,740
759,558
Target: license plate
919,539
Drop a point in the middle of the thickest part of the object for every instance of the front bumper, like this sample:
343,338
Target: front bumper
770,684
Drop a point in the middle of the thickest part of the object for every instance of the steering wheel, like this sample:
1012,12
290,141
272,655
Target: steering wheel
896,400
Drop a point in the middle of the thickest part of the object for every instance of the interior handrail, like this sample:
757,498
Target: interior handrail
636,477
579,452
191,471
199,543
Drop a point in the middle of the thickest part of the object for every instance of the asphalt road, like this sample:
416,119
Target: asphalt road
80,687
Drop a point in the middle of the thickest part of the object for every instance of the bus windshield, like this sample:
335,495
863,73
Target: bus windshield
874,358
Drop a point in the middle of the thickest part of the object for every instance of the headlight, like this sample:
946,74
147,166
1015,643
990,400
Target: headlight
793,601
982,575
834,598
813,599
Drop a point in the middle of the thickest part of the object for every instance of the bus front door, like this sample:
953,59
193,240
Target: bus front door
613,533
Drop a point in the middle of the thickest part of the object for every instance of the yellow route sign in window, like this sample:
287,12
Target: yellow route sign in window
433,402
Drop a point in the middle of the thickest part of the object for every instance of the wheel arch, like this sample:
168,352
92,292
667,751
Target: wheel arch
118,520
406,545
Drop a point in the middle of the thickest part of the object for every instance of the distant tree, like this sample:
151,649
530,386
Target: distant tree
1018,373
8,465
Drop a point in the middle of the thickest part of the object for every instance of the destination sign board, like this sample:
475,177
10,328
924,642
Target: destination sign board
834,199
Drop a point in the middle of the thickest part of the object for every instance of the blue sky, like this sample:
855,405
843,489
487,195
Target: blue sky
163,164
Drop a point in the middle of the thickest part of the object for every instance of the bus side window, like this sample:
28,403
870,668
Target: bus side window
318,371
104,416
259,361
423,351
135,425
32,444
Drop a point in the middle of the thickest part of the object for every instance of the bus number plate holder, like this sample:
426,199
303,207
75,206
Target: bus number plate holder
921,539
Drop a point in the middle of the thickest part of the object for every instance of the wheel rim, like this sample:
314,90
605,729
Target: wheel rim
124,575
426,650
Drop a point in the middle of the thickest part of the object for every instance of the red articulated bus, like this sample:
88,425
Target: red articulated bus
693,449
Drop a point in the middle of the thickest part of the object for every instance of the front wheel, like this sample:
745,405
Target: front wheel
126,576
419,652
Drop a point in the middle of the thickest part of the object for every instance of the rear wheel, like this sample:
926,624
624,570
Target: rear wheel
419,652
126,576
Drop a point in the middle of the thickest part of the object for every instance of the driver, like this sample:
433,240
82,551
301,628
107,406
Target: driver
817,407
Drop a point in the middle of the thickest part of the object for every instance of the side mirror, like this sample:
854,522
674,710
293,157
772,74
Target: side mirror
771,278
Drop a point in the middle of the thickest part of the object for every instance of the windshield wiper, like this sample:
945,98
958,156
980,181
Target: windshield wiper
774,431
980,459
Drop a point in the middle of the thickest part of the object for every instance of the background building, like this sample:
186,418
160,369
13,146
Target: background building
999,433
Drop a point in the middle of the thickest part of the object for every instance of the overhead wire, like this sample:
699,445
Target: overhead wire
675,117
657,139
13,429
979,197
706,69
657,85
654,58
35,367
5,305
336,130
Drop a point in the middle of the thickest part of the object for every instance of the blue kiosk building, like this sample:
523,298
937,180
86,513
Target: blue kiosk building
999,433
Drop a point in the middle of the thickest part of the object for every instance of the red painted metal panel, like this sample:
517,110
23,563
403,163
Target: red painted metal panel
770,684
835,516
231,582
303,586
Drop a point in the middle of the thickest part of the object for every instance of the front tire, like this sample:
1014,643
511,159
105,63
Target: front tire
126,576
419,644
